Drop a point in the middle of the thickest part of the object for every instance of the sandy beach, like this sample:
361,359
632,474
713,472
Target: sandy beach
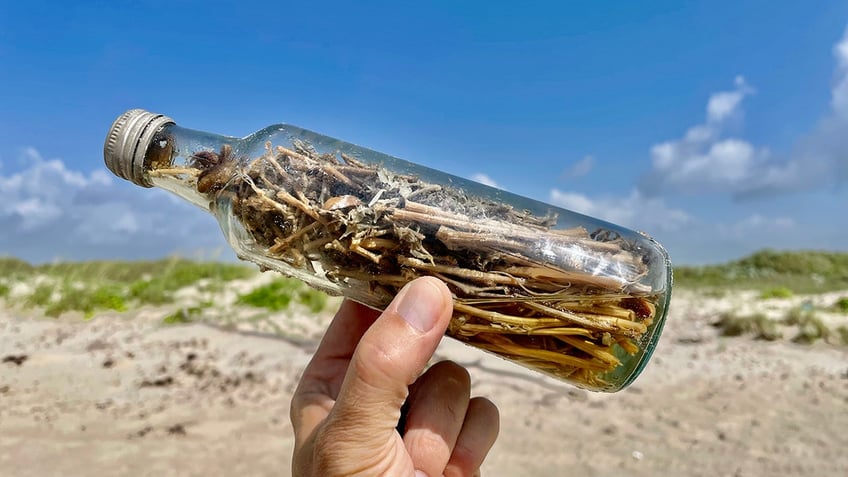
123,394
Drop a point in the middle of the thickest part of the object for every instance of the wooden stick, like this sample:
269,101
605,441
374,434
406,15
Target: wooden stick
592,321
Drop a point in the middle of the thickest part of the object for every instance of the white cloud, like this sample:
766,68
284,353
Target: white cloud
702,160
712,158
50,211
573,201
705,160
723,105
35,195
484,179
634,211
579,168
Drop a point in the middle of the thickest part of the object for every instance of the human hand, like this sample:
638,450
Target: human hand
348,405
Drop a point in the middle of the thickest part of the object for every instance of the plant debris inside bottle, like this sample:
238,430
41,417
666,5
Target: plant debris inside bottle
372,230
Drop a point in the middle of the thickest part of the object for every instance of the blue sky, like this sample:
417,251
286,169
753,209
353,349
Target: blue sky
719,128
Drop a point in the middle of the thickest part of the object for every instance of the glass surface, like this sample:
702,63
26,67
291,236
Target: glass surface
559,292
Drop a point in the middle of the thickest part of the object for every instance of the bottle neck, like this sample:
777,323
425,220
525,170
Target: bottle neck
175,156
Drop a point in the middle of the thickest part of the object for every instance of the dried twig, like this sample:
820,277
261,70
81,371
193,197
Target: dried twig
563,301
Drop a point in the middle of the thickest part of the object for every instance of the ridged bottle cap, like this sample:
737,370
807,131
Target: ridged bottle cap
127,143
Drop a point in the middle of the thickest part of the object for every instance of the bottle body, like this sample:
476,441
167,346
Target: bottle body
559,292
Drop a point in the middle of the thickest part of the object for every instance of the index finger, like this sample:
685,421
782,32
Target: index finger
329,363
350,323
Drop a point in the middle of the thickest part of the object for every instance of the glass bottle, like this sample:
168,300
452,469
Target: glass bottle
559,292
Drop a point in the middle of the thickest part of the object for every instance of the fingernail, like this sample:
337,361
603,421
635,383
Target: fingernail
420,473
420,303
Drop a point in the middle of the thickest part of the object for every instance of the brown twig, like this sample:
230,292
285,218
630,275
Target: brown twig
356,227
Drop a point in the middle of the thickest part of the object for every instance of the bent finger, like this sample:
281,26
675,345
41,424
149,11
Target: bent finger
478,434
437,406
321,380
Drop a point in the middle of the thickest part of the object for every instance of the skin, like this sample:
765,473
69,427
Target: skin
365,406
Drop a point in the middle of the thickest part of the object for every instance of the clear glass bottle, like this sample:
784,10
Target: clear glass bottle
558,292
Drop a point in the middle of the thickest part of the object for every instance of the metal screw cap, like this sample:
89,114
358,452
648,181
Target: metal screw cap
127,142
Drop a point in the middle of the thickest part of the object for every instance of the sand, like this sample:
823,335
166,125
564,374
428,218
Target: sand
123,394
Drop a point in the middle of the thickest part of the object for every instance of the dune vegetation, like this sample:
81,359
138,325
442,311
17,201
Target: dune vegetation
95,286
770,271
788,278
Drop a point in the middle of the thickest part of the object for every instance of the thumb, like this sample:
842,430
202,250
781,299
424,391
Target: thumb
390,356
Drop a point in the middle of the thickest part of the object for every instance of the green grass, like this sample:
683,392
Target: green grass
274,296
59,298
774,274
184,315
177,271
40,296
714,292
155,282
87,301
159,288
797,271
808,325
842,331
756,324
93,286
811,328
313,300
89,287
777,292
280,293
12,268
